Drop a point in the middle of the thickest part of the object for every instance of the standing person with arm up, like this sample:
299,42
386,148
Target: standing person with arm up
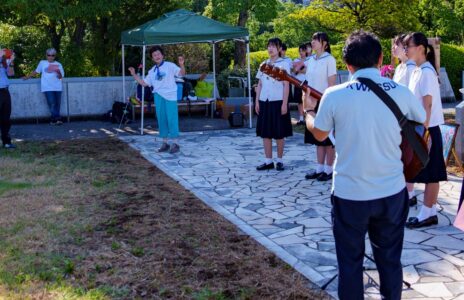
162,77
6,70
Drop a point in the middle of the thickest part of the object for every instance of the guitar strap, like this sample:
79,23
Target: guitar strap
407,127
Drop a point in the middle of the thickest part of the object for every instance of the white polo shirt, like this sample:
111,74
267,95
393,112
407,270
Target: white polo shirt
404,71
299,76
272,89
424,82
368,157
318,71
164,81
49,81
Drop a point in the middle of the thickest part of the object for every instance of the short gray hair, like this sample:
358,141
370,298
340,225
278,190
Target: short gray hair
50,51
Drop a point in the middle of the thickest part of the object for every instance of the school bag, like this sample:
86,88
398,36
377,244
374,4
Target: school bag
236,118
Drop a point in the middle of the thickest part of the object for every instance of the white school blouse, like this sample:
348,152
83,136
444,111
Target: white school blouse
318,70
424,82
403,72
272,89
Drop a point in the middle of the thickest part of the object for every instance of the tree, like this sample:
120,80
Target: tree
443,19
239,12
385,18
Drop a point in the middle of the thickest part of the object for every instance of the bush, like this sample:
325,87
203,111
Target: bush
451,57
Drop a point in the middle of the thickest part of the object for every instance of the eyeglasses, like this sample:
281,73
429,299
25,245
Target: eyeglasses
52,55
409,46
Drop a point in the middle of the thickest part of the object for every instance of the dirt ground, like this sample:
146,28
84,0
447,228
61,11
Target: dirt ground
91,219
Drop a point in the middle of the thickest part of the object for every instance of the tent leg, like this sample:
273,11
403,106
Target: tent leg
142,112
123,75
214,78
250,103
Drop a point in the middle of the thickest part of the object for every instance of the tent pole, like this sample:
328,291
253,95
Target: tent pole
123,75
250,103
143,91
214,76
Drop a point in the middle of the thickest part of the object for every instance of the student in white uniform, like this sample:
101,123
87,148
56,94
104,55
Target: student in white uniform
299,71
271,106
402,76
425,86
162,77
404,70
321,73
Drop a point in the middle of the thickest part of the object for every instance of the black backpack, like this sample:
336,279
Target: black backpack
121,112
237,118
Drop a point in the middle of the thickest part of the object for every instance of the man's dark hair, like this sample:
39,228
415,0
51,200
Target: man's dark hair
156,48
362,50
284,47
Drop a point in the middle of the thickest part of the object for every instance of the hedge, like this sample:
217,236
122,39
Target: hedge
452,58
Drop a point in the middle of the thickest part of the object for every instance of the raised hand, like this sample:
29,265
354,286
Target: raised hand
131,71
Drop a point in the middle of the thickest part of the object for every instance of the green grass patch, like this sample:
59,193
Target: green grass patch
6,186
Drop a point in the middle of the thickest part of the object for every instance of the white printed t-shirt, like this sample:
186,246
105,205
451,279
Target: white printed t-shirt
368,157
272,89
163,80
424,82
49,81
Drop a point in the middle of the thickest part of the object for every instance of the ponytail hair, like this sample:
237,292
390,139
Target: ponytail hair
430,56
419,39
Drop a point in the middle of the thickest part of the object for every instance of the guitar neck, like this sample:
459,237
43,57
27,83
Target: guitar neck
302,84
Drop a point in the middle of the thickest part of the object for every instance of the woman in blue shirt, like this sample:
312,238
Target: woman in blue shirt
6,69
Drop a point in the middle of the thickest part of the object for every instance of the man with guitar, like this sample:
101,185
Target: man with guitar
369,192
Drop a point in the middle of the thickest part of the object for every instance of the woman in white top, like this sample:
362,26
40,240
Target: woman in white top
162,78
51,85
271,105
404,70
299,71
425,86
321,73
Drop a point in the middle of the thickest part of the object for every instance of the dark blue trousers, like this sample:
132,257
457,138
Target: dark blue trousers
384,220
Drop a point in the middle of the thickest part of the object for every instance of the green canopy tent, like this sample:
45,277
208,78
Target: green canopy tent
183,26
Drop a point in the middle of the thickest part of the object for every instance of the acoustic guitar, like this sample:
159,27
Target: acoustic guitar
413,162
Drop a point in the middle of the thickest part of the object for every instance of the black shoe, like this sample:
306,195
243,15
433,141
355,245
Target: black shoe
312,175
324,177
413,201
280,166
415,223
265,166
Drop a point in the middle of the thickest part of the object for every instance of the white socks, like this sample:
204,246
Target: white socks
324,168
279,160
268,161
427,212
328,169
411,194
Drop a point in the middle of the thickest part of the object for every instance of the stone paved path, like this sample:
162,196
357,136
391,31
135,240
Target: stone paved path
291,216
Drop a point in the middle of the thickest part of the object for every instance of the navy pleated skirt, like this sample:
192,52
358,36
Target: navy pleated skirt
435,170
271,123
